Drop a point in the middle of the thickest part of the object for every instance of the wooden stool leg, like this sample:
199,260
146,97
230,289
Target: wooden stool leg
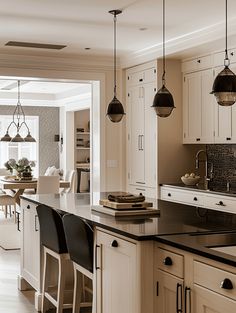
61,286
45,282
15,213
78,283
5,211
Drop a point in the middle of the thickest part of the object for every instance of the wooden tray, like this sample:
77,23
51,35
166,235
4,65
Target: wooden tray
148,212
125,206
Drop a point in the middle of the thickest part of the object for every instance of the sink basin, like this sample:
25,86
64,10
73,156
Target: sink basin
215,239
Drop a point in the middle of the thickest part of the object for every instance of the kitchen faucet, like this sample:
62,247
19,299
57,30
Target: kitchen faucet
198,160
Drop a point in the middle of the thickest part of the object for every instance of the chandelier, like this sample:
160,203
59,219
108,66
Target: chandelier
18,121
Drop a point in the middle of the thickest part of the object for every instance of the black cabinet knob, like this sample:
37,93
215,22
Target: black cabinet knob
232,53
167,261
169,194
197,139
114,244
226,284
28,206
195,198
140,79
198,61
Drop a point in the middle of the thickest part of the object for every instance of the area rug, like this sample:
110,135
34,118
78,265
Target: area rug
9,235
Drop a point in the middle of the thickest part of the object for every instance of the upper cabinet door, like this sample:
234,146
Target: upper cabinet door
192,98
208,107
223,120
198,107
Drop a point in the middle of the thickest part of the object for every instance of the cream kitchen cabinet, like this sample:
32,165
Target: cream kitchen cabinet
141,128
30,241
124,283
204,121
169,280
198,107
208,200
199,290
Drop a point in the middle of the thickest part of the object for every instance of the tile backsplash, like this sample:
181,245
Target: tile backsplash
223,158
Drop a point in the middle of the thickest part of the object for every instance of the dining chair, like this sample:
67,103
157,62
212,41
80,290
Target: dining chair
7,201
71,178
48,184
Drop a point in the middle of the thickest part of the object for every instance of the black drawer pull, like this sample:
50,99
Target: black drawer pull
167,261
169,194
198,139
226,284
228,138
140,79
195,198
28,207
198,61
221,203
114,244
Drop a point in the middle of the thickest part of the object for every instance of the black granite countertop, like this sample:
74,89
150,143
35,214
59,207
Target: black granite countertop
174,218
220,246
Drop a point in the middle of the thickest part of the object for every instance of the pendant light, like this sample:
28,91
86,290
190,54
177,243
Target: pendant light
115,110
18,120
224,86
163,102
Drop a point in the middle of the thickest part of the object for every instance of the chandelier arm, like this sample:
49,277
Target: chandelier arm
13,122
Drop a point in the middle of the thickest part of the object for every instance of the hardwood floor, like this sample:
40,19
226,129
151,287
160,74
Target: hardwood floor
11,299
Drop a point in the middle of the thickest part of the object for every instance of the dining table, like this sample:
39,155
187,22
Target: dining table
17,187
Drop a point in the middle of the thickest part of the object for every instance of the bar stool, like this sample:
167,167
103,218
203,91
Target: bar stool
79,238
54,245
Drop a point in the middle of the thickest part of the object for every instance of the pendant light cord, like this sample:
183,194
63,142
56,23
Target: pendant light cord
163,38
114,55
226,34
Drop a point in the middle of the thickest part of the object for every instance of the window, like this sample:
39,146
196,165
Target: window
13,150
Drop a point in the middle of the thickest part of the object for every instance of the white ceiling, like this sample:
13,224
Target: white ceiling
40,93
87,23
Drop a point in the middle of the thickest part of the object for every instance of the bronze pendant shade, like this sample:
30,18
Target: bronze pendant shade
115,110
224,86
163,102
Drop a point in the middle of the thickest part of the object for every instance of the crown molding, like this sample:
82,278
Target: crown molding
181,43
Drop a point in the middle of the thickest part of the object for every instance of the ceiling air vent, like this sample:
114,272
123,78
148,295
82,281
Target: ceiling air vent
34,45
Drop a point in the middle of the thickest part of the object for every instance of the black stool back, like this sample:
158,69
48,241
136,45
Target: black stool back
52,233
79,238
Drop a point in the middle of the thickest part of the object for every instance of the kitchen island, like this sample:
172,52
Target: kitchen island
126,275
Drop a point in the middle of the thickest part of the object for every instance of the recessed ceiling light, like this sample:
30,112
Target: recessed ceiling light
87,48
143,28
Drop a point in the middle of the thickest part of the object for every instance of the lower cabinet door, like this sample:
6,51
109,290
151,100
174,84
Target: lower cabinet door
169,293
117,281
30,250
207,301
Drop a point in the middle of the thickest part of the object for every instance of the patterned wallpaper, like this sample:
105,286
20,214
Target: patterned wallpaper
223,158
48,127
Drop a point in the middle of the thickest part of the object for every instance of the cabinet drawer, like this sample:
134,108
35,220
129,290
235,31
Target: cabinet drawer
197,64
221,203
213,278
142,77
173,195
147,192
170,262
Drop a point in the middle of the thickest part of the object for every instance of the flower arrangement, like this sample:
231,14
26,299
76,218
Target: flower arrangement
23,167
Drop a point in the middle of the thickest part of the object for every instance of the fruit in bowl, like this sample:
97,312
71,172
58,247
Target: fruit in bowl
190,179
